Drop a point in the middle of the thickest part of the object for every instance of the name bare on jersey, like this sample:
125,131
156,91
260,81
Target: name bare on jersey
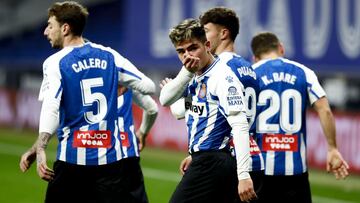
279,77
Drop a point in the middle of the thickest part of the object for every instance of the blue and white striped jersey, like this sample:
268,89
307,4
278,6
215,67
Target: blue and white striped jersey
83,81
129,144
285,89
247,76
209,98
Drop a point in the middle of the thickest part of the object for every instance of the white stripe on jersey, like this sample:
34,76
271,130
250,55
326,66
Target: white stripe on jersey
289,160
117,142
66,132
81,151
122,129
132,129
303,152
270,163
102,150
224,143
262,162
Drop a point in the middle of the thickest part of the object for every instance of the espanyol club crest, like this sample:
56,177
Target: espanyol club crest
202,91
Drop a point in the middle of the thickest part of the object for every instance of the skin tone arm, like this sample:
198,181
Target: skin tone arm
37,151
335,161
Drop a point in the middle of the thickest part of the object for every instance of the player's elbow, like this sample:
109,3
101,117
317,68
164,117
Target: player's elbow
153,108
164,101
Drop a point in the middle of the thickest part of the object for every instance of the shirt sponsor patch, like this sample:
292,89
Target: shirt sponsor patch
254,148
124,137
92,139
279,142
234,97
196,108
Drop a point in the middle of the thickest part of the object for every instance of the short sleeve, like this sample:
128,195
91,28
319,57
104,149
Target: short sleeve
314,89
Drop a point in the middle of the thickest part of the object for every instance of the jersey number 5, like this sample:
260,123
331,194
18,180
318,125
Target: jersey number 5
88,98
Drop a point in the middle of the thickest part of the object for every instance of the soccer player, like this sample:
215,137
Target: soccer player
79,99
222,27
285,89
214,112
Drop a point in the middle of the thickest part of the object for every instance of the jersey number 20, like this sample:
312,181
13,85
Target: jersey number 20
280,104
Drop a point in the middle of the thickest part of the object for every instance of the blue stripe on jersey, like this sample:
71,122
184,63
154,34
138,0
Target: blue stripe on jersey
121,70
214,97
279,167
58,92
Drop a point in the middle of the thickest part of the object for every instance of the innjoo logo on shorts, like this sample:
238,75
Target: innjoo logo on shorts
279,142
92,139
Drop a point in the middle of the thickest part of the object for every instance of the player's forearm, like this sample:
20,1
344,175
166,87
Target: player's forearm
178,109
144,86
43,141
147,122
328,125
173,90
240,133
49,116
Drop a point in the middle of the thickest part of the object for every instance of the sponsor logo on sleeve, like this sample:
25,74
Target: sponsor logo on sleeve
92,139
234,97
279,142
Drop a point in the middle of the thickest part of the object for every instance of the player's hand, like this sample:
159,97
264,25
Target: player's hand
337,164
43,170
246,190
184,165
27,159
121,90
164,82
191,63
142,140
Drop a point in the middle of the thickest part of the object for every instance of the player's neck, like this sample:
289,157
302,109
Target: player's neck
225,46
70,41
270,55
211,59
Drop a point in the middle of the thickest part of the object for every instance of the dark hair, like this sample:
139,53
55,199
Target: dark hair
224,17
72,13
186,30
263,43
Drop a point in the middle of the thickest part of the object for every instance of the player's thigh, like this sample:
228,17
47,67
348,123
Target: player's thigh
210,178
69,184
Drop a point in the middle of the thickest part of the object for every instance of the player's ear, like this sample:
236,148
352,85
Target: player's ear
224,33
281,49
207,45
65,29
